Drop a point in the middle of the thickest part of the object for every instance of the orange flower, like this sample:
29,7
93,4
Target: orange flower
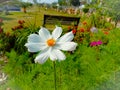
84,23
106,32
82,29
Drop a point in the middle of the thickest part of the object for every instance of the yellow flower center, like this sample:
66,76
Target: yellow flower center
50,42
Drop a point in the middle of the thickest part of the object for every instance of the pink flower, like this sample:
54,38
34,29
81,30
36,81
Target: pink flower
94,43
99,42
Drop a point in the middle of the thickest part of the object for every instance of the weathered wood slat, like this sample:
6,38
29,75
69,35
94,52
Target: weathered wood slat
63,20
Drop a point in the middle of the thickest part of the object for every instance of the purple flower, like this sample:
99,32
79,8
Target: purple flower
94,30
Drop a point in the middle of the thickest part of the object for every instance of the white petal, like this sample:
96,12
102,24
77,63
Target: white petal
56,54
67,37
35,47
68,46
44,33
42,57
60,55
3,77
57,32
52,54
34,38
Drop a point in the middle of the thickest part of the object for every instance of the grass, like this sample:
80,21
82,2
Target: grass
80,71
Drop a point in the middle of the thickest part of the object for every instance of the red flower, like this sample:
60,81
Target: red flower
17,27
21,21
74,31
81,39
82,29
20,26
1,30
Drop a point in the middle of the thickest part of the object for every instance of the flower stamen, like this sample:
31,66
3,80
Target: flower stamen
51,42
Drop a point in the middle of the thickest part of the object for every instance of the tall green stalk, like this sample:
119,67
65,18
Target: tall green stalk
54,66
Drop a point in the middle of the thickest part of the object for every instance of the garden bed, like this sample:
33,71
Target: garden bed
94,65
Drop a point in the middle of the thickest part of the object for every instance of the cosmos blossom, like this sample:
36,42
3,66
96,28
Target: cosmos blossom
96,43
50,45
94,30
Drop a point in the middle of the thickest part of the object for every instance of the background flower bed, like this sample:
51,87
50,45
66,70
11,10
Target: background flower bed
88,68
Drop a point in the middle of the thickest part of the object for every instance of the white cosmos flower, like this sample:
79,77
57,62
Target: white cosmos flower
50,45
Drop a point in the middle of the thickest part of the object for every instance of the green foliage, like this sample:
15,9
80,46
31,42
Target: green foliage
75,2
113,8
62,2
8,42
25,4
17,38
21,38
88,68
85,10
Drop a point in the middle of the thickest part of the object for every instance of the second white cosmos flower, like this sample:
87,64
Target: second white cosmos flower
50,45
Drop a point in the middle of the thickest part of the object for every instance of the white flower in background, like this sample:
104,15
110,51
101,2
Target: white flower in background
82,6
3,77
50,45
94,30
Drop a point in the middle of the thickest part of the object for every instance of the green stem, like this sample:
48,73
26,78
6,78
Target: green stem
54,65
60,75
